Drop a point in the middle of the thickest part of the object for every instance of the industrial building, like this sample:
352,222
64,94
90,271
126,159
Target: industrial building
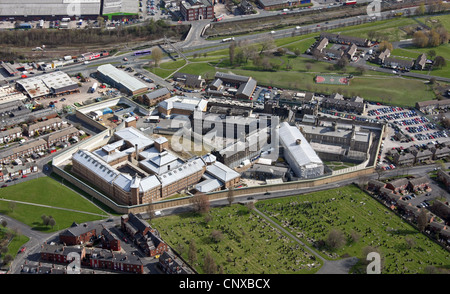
54,83
121,80
301,157
56,9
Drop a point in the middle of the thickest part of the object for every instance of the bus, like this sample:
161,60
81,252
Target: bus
142,52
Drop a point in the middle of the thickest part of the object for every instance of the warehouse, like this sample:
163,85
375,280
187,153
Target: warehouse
54,83
50,9
121,80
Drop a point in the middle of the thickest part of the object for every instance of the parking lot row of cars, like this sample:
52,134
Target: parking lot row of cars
432,136
412,121
384,110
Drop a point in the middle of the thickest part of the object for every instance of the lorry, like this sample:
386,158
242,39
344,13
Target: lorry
93,88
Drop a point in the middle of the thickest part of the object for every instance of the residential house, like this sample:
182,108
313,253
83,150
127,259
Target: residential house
421,155
399,64
444,177
351,51
26,149
151,243
420,62
171,264
110,240
383,55
61,136
440,153
419,184
80,234
375,185
398,185
189,80
41,127
404,158
58,253
10,135
133,225
114,261
322,44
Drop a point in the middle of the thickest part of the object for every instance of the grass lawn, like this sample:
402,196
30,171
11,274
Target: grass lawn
46,191
249,245
390,29
404,92
347,209
13,244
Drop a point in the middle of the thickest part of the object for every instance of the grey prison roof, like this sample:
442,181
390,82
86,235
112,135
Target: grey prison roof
208,185
184,103
221,172
182,171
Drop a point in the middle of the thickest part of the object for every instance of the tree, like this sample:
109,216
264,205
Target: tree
230,195
52,222
342,63
267,44
12,205
434,39
431,53
209,265
4,223
200,203
231,52
385,45
192,253
335,239
420,39
157,55
361,69
420,10
216,236
439,62
297,52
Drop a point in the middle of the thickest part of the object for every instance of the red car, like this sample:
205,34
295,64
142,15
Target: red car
22,249
24,176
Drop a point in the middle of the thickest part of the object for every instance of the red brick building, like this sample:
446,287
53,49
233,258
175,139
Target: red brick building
197,10
80,234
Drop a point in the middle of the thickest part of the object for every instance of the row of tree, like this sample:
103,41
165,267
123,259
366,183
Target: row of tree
150,30
432,38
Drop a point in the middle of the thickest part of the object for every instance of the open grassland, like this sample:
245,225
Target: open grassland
47,191
249,244
364,222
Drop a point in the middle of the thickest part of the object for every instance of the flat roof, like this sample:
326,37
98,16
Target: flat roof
48,7
121,77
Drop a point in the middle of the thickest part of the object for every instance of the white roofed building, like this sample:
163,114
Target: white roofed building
298,153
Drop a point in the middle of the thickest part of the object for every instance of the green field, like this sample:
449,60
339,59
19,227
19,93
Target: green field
311,217
249,244
47,191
